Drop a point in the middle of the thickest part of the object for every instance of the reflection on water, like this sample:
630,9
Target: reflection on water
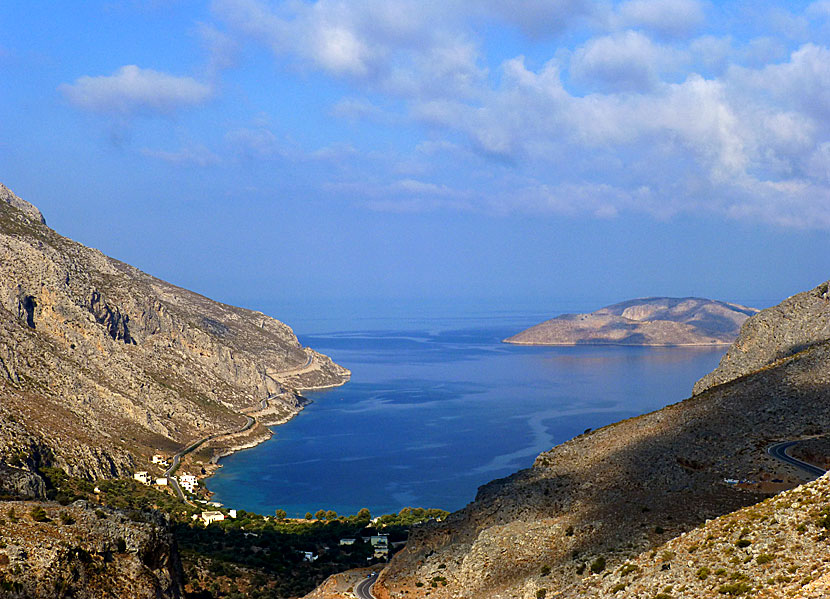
432,412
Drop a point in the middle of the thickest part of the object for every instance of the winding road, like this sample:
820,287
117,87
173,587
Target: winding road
779,452
363,589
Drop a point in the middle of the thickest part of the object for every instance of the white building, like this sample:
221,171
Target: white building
231,513
161,482
308,556
160,459
347,541
379,540
142,477
188,482
208,517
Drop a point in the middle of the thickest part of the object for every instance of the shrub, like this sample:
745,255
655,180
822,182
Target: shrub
659,530
618,587
39,514
764,558
545,570
598,565
628,569
100,514
743,543
67,518
580,568
734,589
541,593
703,573
121,545
569,532
662,596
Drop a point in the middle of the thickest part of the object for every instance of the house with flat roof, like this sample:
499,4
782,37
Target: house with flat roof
208,517
143,477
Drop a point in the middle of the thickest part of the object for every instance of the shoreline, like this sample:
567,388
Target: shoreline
600,344
260,417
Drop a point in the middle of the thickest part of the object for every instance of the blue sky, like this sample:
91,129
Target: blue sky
537,152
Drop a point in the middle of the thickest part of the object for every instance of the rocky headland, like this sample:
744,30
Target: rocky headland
645,321
101,367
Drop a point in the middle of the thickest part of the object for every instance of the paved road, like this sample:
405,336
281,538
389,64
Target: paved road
249,422
363,589
779,452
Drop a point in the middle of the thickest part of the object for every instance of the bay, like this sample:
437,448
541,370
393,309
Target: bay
438,406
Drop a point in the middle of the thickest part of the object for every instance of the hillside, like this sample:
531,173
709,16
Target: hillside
587,507
645,321
102,365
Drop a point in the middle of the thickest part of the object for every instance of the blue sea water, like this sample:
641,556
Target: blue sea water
437,407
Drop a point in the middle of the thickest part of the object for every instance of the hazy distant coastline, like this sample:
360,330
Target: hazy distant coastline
652,321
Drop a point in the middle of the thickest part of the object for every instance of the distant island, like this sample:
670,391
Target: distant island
653,321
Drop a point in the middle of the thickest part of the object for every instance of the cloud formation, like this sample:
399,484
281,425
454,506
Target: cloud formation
133,90
640,107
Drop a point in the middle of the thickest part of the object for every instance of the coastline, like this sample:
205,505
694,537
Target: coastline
604,343
262,424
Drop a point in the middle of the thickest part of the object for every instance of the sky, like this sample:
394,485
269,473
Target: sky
536,153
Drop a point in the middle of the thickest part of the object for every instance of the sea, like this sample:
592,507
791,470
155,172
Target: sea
437,406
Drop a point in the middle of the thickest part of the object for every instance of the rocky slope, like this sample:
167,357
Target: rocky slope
603,499
102,365
793,325
85,552
646,321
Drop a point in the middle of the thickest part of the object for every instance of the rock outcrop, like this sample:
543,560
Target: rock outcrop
617,495
646,321
102,365
86,552
797,323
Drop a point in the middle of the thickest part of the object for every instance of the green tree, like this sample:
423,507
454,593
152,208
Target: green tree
281,514
320,514
308,516
364,514
331,515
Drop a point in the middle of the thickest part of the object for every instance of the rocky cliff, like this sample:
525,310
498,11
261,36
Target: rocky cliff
102,365
569,525
85,552
794,325
646,321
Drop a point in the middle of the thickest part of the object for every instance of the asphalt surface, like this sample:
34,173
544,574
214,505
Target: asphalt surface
779,452
363,589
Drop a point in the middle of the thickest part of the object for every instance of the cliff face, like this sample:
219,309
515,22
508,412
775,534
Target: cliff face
646,321
617,494
795,324
102,365
86,552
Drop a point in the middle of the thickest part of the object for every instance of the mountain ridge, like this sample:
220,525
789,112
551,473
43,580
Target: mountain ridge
649,321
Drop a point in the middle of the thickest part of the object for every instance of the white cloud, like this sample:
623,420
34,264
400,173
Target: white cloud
628,61
133,90
819,9
669,18
659,127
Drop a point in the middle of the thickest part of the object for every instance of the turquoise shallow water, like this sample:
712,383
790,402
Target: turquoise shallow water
436,408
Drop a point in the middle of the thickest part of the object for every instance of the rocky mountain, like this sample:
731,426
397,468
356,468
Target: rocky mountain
792,326
624,510
102,365
645,321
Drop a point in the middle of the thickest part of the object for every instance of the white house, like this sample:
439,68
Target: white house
379,540
160,459
161,482
231,513
381,551
308,556
208,517
189,482
142,477
347,541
